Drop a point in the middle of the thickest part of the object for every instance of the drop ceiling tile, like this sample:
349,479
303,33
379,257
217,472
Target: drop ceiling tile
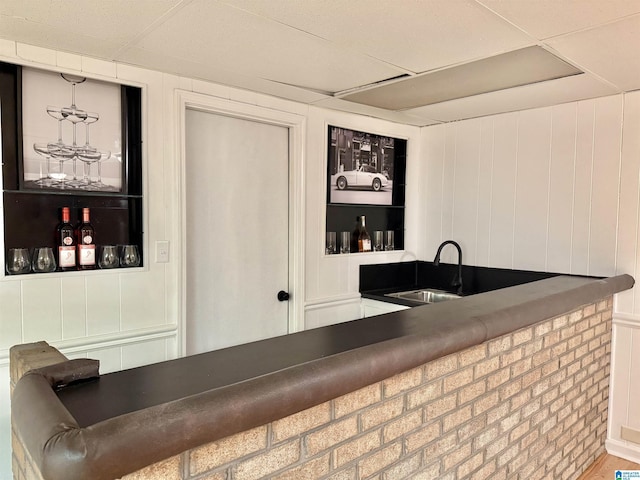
553,92
115,20
548,18
213,73
508,70
399,117
415,35
610,51
47,36
237,41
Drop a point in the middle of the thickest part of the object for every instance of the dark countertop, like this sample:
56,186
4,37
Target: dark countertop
170,407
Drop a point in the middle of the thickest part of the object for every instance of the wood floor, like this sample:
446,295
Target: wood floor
605,466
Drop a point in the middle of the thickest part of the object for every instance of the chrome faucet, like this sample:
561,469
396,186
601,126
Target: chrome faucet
457,281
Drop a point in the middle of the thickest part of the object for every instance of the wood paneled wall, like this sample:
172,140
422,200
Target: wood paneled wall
550,189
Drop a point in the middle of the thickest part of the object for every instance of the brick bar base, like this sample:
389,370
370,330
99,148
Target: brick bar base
529,405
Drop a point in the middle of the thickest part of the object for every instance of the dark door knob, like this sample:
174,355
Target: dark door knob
283,296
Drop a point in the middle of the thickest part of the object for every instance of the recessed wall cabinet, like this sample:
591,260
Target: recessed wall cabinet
365,176
74,142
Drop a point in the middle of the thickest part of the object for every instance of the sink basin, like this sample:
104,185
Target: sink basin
426,295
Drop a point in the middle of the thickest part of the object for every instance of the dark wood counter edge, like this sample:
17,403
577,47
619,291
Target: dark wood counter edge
124,444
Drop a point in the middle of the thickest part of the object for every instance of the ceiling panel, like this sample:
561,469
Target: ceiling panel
24,31
610,51
416,35
508,70
234,40
307,50
553,92
548,18
212,72
114,21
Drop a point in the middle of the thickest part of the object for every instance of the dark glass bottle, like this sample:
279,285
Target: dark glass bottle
85,236
66,243
364,240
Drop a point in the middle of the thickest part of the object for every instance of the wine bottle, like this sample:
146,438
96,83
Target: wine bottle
66,243
85,236
364,240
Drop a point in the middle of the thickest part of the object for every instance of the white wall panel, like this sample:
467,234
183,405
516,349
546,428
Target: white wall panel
627,249
532,190
607,143
136,355
110,358
5,422
561,183
135,311
41,309
582,189
538,189
433,139
103,304
485,188
448,189
465,189
622,338
633,418
74,307
505,161
10,313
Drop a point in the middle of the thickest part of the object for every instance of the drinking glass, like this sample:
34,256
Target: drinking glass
377,241
389,240
18,261
43,260
345,242
330,246
108,257
129,257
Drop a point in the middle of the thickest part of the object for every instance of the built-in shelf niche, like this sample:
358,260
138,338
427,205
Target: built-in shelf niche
347,151
31,214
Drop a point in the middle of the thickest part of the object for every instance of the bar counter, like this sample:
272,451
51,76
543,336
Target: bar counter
77,424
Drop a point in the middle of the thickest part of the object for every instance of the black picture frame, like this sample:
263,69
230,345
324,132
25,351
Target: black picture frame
364,168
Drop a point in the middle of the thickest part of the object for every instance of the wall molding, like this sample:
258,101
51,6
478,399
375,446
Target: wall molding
322,303
118,339
626,319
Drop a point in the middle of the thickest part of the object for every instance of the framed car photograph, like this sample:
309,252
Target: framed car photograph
363,168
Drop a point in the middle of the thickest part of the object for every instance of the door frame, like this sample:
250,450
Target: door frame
296,124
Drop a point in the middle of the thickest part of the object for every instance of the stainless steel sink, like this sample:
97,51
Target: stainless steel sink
426,295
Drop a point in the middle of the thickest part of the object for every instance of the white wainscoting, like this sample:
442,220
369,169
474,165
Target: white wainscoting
329,311
624,391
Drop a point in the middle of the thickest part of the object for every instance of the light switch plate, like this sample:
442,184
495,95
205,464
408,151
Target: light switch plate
162,251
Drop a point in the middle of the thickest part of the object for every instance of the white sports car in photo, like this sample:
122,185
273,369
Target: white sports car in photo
364,177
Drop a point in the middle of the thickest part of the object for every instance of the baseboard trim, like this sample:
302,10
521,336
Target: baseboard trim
623,450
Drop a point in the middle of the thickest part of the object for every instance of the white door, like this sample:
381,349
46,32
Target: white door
237,201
